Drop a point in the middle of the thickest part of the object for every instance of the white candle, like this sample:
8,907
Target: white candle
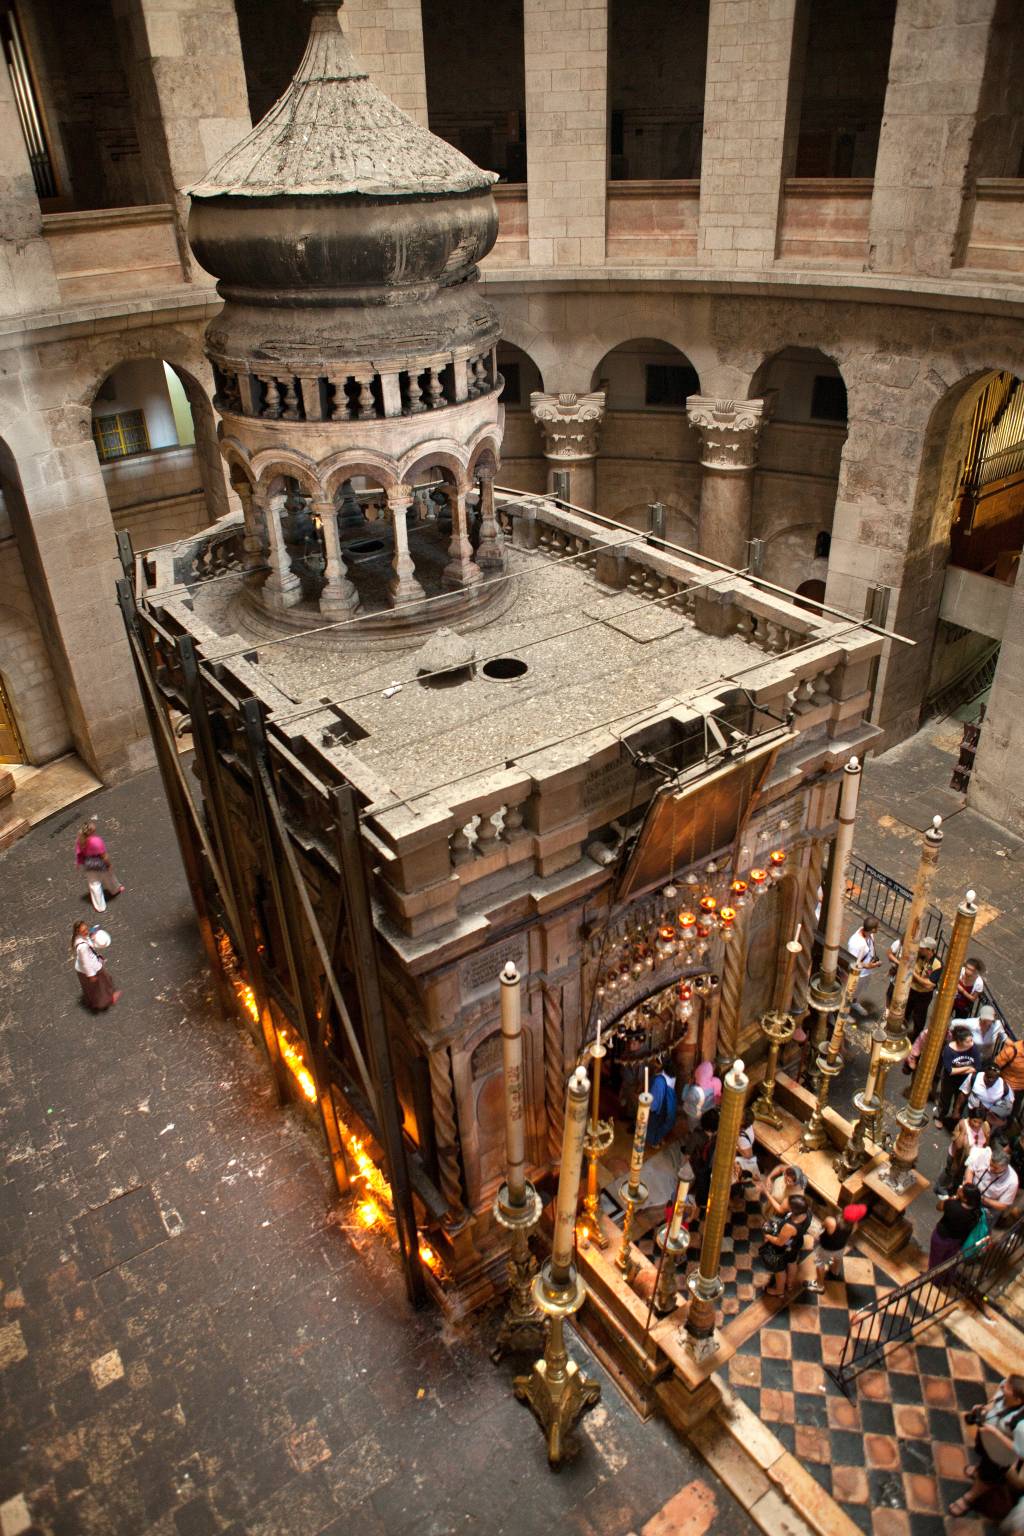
512,1058
569,1174
597,1051
647,1079
636,1162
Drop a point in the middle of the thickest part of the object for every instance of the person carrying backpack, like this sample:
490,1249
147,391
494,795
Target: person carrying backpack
999,1442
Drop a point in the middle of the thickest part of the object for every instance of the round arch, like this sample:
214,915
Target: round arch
343,466
799,459
419,460
646,451
271,464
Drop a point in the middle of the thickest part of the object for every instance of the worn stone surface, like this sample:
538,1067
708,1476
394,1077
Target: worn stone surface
252,1366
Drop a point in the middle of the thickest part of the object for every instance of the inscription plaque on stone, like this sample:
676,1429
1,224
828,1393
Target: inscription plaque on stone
481,972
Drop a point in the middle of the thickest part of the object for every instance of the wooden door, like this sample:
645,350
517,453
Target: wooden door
11,749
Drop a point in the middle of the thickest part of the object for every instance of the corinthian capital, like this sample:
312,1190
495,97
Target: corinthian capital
729,430
569,422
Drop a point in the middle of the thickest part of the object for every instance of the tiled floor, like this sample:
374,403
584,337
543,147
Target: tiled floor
894,1456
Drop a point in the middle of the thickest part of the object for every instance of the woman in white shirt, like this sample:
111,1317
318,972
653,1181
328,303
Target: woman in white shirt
98,990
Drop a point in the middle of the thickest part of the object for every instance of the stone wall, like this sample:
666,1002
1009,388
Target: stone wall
24,663
387,39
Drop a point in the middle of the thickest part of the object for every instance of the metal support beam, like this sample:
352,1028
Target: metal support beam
364,953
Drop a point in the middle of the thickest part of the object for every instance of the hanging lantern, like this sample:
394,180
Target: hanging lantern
708,906
667,938
727,921
758,881
776,862
687,926
738,891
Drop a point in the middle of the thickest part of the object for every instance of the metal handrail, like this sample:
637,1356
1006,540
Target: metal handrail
876,894
901,1313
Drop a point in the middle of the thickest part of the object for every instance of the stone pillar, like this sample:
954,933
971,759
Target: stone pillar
187,81
338,596
404,586
570,424
997,783
27,282
282,588
253,555
566,130
461,570
490,555
753,48
937,66
729,432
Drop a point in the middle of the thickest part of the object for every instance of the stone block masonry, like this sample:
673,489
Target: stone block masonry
386,37
566,113
753,48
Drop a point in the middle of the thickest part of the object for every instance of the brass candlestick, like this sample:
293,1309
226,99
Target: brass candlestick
914,1116
556,1389
706,1285
825,995
868,1106
673,1241
599,1137
829,1066
517,1206
632,1192
777,1027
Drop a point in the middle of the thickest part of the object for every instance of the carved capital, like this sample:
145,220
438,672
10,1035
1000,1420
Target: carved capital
729,430
570,424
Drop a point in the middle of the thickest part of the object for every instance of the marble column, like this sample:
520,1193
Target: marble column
282,588
570,424
338,597
253,554
461,570
490,554
404,586
729,432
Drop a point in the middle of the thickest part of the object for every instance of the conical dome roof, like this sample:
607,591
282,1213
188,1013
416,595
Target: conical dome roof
334,133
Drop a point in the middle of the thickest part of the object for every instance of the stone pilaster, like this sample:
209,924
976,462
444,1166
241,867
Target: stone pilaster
27,282
997,783
187,81
753,46
937,67
570,424
461,570
338,596
404,586
282,588
729,433
566,130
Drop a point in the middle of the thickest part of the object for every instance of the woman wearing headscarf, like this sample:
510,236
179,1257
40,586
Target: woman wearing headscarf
98,989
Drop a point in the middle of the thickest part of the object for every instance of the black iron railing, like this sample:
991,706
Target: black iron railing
901,1313
877,894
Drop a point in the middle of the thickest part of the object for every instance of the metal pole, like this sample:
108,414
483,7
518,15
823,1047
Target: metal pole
600,1135
706,1286
895,1014
829,1066
556,1389
303,999
234,895
364,953
633,1192
777,1027
914,1116
517,1205
825,994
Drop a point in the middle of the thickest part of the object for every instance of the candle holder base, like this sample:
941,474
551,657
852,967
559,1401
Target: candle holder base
556,1390
523,1328
633,1197
855,1154
666,1297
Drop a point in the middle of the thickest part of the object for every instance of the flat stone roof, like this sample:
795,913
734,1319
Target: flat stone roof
591,656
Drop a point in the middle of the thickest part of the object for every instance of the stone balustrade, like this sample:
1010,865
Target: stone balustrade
353,391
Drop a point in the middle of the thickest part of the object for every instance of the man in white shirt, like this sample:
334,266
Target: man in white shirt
998,1186
861,949
986,1030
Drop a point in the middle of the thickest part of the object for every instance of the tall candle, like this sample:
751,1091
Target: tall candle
512,1058
877,1041
636,1162
679,1209
569,1175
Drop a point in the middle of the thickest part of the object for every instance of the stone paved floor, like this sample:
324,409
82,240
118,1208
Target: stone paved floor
191,1340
